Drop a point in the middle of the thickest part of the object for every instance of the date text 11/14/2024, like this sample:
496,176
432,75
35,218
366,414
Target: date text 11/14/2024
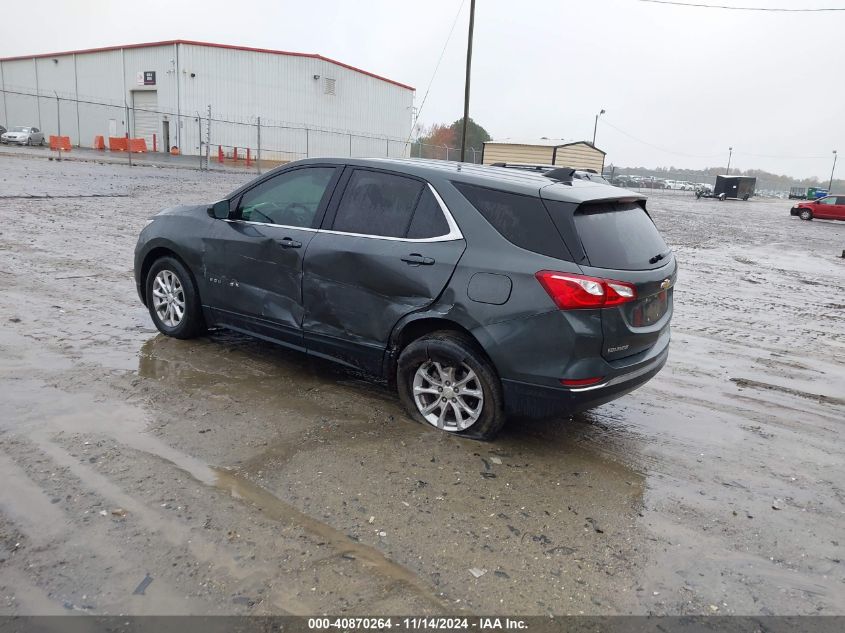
416,624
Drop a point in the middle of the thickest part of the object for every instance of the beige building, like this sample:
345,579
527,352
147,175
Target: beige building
544,151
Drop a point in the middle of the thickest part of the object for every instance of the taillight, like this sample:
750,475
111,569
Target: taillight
572,292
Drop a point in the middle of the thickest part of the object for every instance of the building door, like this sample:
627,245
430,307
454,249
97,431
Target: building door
112,127
165,136
146,117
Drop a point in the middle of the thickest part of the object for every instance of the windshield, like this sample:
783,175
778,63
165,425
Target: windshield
20,129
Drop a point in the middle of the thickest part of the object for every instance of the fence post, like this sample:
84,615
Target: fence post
128,153
199,130
387,152
350,146
58,122
447,151
307,145
258,150
208,140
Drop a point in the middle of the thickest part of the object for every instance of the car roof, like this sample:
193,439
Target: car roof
513,180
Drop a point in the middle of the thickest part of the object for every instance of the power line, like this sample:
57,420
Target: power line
662,149
700,5
736,153
436,68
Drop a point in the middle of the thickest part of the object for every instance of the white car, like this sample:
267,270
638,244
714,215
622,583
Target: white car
23,136
672,184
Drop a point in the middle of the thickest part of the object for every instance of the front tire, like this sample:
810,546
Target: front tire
173,300
445,381
806,214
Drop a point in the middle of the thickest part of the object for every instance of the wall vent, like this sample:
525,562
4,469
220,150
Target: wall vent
328,86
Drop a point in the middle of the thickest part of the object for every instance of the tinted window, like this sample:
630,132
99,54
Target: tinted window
291,198
620,236
522,220
840,200
375,203
428,220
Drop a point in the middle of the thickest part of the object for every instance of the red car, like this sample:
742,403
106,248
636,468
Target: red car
827,208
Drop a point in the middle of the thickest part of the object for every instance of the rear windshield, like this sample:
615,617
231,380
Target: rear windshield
620,236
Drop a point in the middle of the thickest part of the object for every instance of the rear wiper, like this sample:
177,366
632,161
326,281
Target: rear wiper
658,257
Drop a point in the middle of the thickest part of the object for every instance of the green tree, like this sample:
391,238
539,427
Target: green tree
476,135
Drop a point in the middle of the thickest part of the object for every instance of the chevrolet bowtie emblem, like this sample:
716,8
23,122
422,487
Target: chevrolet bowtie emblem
665,284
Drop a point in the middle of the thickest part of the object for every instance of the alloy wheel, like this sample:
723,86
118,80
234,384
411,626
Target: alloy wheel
448,397
168,298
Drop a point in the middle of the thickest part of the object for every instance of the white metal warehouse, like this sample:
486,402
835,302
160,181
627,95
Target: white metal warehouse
298,104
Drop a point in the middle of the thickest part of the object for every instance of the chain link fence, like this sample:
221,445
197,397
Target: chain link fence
212,137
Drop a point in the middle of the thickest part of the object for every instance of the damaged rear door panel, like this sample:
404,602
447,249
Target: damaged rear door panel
388,248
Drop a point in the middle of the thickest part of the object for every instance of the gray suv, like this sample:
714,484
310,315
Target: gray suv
479,292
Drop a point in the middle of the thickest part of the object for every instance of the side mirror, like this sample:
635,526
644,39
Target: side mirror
219,210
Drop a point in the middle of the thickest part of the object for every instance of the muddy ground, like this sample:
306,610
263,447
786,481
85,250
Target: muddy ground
242,478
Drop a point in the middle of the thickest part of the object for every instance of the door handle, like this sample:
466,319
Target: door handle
288,243
415,259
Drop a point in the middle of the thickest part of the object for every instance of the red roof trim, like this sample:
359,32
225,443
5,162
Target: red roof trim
212,45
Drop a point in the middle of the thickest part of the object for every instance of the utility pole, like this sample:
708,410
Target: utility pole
730,153
830,185
466,84
596,126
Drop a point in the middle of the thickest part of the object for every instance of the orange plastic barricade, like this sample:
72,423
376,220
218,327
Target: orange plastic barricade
99,142
174,151
118,143
60,142
248,158
219,153
137,145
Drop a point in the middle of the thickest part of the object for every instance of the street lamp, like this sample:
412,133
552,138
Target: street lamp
730,153
595,127
830,185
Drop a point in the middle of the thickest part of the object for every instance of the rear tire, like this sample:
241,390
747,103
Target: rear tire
173,300
445,374
806,214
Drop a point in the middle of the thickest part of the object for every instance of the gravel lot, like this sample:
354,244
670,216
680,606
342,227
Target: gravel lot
242,478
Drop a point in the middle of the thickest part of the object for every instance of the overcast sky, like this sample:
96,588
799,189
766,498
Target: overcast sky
680,85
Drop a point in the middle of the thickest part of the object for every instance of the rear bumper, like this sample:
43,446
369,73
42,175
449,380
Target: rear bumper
541,401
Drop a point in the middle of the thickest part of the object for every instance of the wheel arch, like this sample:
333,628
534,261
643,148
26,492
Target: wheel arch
153,255
414,327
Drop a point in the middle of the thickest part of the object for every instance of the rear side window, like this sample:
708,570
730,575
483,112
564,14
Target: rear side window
428,218
376,203
522,220
620,236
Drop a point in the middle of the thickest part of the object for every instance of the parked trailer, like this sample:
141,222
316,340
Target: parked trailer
736,187
798,193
